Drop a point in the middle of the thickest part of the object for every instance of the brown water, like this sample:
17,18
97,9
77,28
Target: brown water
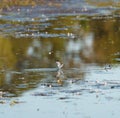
86,39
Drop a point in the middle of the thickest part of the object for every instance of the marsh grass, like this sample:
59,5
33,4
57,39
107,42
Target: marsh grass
7,4
102,3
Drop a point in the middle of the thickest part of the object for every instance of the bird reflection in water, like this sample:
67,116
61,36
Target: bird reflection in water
60,74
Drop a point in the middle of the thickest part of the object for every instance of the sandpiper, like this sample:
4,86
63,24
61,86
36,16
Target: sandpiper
59,65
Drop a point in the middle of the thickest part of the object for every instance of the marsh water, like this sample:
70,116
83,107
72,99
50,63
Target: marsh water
81,36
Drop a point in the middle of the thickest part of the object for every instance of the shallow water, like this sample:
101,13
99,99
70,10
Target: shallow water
83,37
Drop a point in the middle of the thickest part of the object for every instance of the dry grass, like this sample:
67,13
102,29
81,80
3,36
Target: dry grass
101,3
9,3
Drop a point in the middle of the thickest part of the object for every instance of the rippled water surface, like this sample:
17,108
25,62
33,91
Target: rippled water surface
81,36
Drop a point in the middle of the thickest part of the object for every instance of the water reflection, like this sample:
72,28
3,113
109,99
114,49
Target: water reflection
74,40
